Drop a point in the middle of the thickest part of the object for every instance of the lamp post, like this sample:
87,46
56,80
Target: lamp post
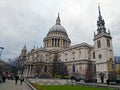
1,51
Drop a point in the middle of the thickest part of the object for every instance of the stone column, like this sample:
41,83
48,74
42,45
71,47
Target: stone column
53,42
56,42
79,53
27,70
60,42
30,71
50,42
46,44
65,43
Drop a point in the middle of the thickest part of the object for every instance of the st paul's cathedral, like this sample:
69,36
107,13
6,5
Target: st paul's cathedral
59,58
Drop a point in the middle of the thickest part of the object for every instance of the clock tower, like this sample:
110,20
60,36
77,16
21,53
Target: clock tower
103,50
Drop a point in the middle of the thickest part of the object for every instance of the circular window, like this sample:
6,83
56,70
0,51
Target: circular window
99,56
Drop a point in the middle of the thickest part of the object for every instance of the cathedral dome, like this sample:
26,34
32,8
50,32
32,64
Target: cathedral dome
57,37
57,28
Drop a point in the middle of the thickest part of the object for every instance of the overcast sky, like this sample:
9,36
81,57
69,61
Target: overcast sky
28,21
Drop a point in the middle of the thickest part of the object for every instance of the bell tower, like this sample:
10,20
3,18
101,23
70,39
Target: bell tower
103,49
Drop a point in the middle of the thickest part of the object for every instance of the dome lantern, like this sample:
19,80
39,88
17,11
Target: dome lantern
58,20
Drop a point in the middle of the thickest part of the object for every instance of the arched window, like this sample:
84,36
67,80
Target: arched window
99,44
45,69
108,43
93,55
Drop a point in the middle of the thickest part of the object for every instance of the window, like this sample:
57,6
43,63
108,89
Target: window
99,44
93,55
66,59
73,68
31,67
108,43
45,69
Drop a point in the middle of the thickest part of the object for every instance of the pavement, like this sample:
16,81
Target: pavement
116,87
10,85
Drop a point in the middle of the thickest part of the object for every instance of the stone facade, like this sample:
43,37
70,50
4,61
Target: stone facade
82,60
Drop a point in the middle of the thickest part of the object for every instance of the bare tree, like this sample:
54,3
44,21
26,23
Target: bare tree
59,68
62,69
13,66
2,66
89,73
118,72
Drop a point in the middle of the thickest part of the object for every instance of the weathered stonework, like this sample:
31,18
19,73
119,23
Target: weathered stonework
81,60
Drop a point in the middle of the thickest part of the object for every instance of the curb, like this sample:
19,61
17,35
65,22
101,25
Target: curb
33,88
98,85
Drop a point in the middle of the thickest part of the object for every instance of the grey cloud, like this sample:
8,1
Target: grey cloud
28,21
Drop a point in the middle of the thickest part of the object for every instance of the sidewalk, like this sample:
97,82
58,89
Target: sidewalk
10,85
117,87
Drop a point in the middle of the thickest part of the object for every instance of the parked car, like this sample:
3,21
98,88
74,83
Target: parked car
77,79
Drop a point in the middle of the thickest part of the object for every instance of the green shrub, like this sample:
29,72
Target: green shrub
66,77
58,76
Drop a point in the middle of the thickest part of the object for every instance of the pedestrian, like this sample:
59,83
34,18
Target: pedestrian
107,81
21,80
16,79
4,77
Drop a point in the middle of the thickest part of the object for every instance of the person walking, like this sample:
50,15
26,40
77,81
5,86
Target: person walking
16,79
108,82
21,80
4,77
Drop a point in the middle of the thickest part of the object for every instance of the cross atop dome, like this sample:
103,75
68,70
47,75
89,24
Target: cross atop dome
58,20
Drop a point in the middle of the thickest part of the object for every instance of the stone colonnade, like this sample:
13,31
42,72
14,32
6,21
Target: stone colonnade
56,43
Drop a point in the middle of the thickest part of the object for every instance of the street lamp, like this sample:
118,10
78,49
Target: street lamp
1,51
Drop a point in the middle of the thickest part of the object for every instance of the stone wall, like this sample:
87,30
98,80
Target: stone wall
51,81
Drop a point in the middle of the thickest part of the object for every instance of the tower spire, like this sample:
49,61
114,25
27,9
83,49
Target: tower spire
58,20
100,22
100,16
